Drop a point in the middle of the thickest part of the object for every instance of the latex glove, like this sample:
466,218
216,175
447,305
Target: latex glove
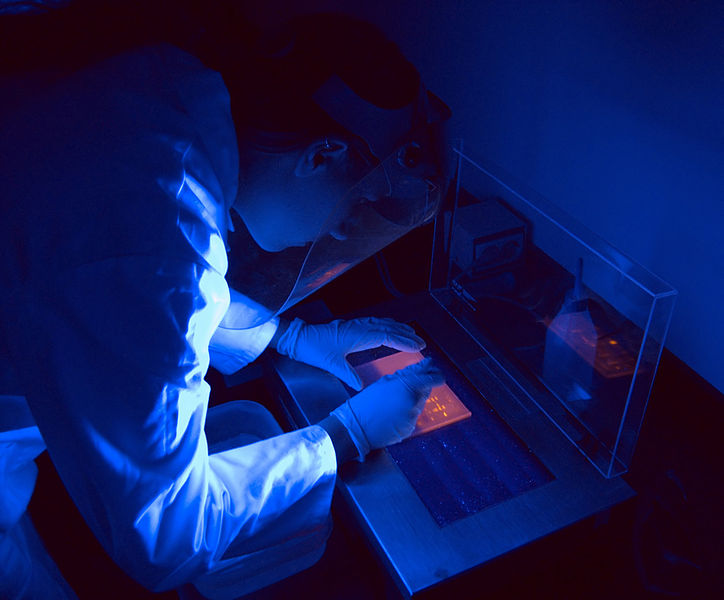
326,346
385,412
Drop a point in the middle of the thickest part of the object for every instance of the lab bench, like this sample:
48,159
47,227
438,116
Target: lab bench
401,497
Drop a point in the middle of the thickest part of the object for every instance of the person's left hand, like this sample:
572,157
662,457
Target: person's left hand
326,346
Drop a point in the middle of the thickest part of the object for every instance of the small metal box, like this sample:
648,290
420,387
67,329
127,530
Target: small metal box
487,235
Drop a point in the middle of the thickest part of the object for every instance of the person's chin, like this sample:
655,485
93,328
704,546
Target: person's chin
270,243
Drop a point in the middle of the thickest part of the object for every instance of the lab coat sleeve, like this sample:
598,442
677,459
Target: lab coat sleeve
113,356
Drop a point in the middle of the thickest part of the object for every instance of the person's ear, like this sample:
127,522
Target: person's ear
319,156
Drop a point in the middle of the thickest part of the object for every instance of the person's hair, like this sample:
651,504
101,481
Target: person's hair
271,77
276,89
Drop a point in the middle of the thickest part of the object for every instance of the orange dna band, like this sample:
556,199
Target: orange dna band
442,408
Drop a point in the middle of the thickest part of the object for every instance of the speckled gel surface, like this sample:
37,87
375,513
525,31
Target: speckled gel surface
468,466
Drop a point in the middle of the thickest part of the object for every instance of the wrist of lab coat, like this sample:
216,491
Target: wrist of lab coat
233,349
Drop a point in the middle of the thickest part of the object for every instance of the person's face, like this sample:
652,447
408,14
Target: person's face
291,199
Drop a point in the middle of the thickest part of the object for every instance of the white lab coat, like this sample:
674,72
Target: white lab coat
116,187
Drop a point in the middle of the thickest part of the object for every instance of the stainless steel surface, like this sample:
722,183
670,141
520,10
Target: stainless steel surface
417,552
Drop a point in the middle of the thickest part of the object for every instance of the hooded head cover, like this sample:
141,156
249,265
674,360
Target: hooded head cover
335,75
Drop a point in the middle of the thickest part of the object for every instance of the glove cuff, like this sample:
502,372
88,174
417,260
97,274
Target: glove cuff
346,416
287,342
344,447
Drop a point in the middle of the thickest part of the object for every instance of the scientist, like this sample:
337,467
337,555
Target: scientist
159,213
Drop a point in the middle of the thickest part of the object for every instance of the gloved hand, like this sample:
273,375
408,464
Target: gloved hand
326,346
385,412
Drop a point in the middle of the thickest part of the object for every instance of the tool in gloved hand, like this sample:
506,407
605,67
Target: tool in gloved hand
443,407
386,412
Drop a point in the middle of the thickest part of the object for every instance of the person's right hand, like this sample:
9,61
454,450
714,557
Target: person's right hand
385,412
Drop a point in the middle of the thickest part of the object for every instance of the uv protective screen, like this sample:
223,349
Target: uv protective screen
399,194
